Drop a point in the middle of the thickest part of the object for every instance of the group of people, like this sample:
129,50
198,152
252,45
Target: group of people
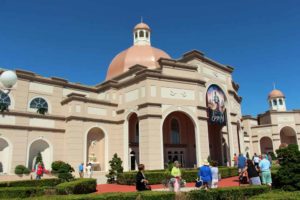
256,171
207,175
88,170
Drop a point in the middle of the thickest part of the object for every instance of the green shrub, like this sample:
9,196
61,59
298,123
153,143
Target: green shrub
79,186
32,183
20,192
21,169
237,193
157,177
62,170
115,168
288,175
278,194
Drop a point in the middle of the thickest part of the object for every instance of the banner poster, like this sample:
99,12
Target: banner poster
216,105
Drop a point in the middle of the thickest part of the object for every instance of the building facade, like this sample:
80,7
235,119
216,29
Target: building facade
151,109
272,129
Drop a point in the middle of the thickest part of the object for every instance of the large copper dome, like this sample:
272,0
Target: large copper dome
140,53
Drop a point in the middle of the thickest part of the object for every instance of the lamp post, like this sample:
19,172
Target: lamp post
7,79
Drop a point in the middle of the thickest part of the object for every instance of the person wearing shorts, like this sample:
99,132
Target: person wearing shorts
264,166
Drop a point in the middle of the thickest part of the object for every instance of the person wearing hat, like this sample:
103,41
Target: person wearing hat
205,174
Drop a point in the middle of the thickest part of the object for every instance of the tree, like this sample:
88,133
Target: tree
39,159
115,169
288,176
62,170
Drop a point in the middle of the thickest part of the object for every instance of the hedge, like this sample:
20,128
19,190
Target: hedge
278,194
32,183
157,177
232,193
237,193
20,192
79,186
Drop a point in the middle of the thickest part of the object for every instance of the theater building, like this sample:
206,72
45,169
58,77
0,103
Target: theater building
151,109
266,132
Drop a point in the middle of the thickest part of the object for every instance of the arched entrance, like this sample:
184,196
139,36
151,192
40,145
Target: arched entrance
179,139
216,103
4,156
133,134
96,149
288,136
40,146
266,145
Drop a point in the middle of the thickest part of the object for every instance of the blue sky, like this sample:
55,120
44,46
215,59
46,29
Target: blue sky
76,40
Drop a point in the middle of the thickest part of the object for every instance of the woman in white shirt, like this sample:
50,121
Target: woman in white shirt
215,174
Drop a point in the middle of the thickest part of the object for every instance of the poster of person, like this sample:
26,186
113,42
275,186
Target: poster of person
216,105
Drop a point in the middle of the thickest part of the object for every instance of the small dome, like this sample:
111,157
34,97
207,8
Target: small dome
275,94
137,54
142,26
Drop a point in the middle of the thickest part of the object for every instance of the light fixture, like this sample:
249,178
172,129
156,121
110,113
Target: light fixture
8,79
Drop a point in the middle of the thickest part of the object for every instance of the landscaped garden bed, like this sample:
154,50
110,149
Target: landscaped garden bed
157,177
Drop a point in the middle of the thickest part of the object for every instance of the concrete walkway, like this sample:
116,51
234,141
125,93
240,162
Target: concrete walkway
105,188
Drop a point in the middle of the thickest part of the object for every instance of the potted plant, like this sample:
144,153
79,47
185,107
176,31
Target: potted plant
42,110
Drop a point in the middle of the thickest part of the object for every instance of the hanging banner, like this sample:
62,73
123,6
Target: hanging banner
216,105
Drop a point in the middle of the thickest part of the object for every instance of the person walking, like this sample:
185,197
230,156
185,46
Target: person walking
205,174
215,174
241,162
235,160
176,174
39,171
264,166
89,170
141,183
80,169
252,172
256,160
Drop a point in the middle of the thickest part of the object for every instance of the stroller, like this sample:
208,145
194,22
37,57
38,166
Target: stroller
243,178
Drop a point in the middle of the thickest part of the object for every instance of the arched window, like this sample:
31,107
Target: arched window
141,33
137,132
147,34
136,35
274,102
175,133
4,99
40,104
280,102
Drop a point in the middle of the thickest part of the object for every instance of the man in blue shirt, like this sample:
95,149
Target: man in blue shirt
80,169
241,162
264,166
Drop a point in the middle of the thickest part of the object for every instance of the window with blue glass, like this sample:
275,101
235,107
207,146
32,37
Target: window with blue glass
40,104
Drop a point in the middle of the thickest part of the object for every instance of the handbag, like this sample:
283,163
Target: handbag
198,183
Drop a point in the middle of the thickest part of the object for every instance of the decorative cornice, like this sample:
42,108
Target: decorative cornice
197,54
276,139
54,81
248,117
142,117
174,63
33,115
120,111
144,105
32,128
263,126
233,114
235,86
202,108
87,100
203,118
70,118
236,97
